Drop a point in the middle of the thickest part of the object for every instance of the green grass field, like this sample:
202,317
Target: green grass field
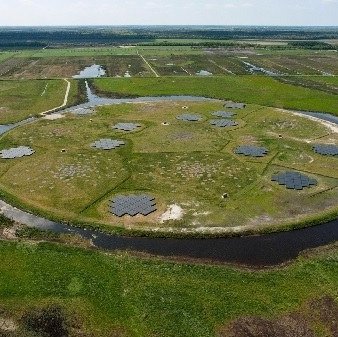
5,55
22,99
67,179
251,89
120,295
331,80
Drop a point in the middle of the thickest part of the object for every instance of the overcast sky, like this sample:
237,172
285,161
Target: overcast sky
165,12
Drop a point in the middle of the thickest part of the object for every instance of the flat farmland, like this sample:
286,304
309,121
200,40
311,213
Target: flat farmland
61,67
10,65
232,65
5,55
297,65
120,66
329,80
166,61
110,51
174,65
217,63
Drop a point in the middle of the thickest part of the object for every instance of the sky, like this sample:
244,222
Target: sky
168,12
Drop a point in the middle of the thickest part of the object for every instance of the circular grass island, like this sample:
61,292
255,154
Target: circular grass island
210,169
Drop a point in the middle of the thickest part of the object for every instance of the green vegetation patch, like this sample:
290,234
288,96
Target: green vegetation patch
23,99
121,295
251,89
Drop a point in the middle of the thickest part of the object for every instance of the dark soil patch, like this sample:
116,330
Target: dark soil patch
325,310
49,322
317,313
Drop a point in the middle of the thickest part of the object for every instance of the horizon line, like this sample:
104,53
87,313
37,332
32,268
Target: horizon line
168,25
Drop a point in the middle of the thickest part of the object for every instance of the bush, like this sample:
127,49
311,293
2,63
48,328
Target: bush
47,322
5,222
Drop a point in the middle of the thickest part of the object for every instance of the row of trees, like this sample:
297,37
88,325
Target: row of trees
316,45
24,37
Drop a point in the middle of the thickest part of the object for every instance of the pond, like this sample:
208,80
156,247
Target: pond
254,69
7,127
204,73
93,71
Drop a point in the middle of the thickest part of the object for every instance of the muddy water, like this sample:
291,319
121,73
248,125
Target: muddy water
254,69
256,251
204,73
7,127
93,71
326,117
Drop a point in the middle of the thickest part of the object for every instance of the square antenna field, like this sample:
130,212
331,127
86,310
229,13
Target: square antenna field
294,180
128,127
222,123
132,205
252,151
326,149
234,105
17,152
190,117
107,144
224,114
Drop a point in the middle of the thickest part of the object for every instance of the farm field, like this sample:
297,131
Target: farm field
296,65
104,295
107,51
171,159
56,67
167,61
210,41
242,62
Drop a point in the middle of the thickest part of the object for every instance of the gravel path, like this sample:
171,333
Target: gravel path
148,64
65,101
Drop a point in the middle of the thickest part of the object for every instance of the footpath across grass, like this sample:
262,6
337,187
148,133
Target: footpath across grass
23,99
